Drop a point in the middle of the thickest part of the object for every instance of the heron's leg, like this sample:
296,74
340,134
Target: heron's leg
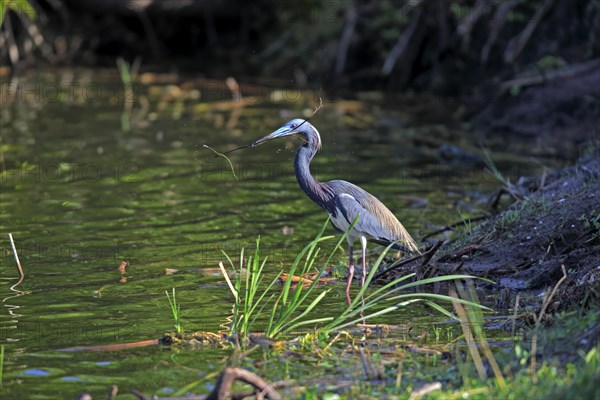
350,273
363,242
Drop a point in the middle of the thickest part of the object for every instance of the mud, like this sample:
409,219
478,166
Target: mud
524,247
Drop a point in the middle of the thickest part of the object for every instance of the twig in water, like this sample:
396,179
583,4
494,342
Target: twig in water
14,249
224,272
224,156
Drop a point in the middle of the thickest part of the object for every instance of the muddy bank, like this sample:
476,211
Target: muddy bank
525,246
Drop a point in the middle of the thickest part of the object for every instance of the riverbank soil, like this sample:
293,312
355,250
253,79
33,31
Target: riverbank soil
547,235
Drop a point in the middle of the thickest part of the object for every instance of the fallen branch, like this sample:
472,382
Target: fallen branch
400,263
431,252
222,390
564,73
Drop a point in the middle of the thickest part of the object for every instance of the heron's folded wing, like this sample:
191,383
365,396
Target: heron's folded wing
367,224
375,221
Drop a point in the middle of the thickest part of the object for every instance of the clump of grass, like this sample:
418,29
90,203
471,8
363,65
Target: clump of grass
388,294
175,310
245,291
508,219
291,307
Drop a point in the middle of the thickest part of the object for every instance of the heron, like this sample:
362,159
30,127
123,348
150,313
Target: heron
343,201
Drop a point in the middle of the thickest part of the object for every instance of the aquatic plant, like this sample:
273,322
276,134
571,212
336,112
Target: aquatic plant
388,294
175,310
285,312
292,306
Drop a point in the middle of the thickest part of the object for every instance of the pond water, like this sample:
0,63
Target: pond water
89,181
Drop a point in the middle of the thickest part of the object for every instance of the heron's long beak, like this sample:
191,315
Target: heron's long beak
281,132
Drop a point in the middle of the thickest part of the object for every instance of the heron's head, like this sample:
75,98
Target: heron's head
296,126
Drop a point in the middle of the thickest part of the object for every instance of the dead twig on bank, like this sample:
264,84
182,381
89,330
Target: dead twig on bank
426,255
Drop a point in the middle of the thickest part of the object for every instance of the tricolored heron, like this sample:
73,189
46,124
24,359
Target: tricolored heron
343,201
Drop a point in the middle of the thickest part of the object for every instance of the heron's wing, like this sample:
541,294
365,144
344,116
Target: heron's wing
375,221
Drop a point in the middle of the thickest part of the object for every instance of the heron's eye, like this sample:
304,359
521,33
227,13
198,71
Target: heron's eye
293,126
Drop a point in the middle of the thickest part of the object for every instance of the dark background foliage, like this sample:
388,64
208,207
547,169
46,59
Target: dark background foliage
445,46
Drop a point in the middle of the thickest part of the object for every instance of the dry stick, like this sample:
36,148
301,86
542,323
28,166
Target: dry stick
538,320
431,252
224,156
224,384
222,389
318,107
226,276
14,249
400,263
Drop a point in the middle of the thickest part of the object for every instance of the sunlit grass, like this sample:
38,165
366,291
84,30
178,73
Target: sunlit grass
291,305
175,311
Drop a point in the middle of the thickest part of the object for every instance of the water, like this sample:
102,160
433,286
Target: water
80,196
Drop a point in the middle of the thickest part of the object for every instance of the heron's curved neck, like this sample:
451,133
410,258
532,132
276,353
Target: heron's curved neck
312,187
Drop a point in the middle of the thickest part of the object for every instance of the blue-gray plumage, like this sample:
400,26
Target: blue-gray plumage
344,201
